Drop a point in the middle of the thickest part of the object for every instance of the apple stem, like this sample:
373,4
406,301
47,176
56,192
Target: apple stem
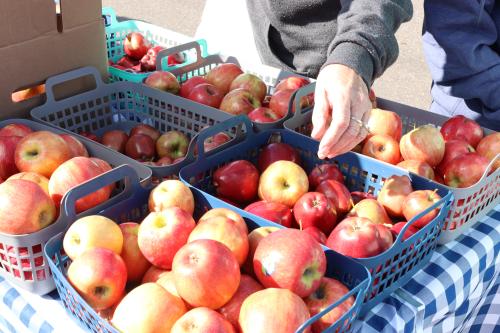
300,225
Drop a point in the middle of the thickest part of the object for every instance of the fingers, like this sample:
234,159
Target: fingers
359,132
341,114
321,114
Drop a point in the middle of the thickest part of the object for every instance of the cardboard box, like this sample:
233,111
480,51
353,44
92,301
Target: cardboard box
36,42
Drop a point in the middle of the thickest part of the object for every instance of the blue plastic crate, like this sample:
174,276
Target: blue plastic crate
132,205
391,269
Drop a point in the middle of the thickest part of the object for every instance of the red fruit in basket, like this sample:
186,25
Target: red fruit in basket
338,194
252,83
206,94
126,62
416,202
254,238
15,130
462,128
453,149
277,151
393,193
199,320
273,310
190,83
314,209
465,170
424,143
24,207
176,59
41,152
323,172
136,45
147,130
140,147
239,101
171,193
383,148
115,139
397,227
385,235
292,83
372,210
383,122
358,237
317,234
489,147
228,213
148,61
215,141
75,146
153,274
223,75
164,81
164,161
134,260
358,196
42,181
8,146
72,173
263,115
280,100
237,181
99,276
418,167
272,211
290,259
90,136
173,144
328,292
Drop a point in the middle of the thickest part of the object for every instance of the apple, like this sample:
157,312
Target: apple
206,273
115,139
126,63
75,172
147,130
280,100
283,182
136,45
314,209
418,201
176,59
393,193
272,211
173,144
489,147
239,101
75,146
357,196
15,130
462,128
223,75
201,320
263,115
237,181
290,259
231,310
273,310
99,275
134,260
90,136
418,167
167,281
41,152
424,143
338,193
24,207
323,172
228,213
42,181
317,234
206,94
372,210
148,308
224,230
329,291
154,274
383,148
277,151
162,234
8,146
383,122
140,147
453,149
148,61
465,170
189,84
215,141
164,81
292,83
358,237
254,238
397,227
252,83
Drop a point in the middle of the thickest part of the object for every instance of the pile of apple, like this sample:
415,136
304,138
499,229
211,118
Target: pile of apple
140,55
456,155
355,224
170,274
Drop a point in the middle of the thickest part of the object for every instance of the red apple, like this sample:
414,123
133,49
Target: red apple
33,177
75,146
383,122
237,181
202,320
126,63
393,193
153,274
252,83
173,144
465,170
383,148
272,211
164,81
290,259
323,172
147,130
263,115
462,128
15,130
206,94
206,273
8,146
372,210
189,84
140,147
489,147
416,202
167,281
280,100
90,136
317,234
223,75
115,139
397,227
314,209
134,260
136,45
176,59
424,143
227,213
291,82
277,151
453,148
254,239
418,167
358,196
239,101
215,141
338,193
148,61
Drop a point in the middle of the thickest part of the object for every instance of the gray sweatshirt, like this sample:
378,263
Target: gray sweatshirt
304,35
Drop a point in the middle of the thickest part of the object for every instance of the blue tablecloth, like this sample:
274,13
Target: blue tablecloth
459,291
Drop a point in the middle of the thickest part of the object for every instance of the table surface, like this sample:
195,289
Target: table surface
458,291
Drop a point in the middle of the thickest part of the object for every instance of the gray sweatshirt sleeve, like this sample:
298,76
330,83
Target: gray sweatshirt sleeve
365,39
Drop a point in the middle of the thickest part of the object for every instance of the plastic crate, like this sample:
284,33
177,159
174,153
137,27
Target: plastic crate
116,33
471,203
391,269
123,105
21,256
133,206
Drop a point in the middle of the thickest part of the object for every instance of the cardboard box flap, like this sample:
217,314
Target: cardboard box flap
24,20
77,12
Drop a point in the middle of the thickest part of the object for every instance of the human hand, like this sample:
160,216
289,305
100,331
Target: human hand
341,110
